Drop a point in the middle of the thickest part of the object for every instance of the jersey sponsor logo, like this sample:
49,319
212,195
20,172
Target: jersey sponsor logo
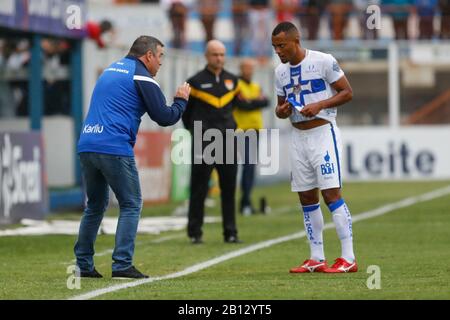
229,84
310,69
118,70
328,167
93,128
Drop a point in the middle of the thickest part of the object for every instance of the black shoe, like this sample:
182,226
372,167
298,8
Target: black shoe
90,274
232,239
130,273
196,240
263,205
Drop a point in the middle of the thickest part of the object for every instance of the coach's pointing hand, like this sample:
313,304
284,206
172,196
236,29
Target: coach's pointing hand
183,91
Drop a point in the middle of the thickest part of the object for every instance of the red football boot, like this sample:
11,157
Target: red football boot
310,266
341,266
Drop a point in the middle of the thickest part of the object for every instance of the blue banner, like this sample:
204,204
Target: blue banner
23,179
64,18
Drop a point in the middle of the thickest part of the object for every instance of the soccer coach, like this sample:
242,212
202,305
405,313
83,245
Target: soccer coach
123,93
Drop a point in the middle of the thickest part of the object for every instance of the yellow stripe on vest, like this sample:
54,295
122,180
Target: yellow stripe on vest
213,100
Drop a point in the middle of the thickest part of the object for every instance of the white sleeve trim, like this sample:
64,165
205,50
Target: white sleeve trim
144,78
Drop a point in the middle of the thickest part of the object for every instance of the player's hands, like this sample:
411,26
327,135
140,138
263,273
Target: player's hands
283,110
183,91
312,109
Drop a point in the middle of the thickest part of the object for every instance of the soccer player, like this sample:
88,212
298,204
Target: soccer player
310,85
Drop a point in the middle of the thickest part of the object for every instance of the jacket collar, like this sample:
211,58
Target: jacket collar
137,60
213,74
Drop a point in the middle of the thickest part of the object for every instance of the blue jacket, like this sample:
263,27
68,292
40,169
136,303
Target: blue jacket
122,94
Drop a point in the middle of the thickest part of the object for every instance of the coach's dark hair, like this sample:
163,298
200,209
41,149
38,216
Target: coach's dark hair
143,44
285,27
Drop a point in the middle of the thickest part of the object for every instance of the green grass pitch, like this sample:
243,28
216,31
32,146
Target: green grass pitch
409,245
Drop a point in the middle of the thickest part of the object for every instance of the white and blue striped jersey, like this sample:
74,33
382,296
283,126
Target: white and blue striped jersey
308,82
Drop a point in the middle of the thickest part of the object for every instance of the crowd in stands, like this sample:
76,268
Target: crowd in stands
252,21
309,12
15,57
254,15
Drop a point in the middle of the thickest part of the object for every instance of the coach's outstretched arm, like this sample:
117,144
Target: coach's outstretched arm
155,102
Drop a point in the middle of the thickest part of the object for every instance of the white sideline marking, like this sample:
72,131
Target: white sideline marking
203,265
279,210
110,251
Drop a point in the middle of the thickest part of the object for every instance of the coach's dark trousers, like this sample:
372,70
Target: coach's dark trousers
200,175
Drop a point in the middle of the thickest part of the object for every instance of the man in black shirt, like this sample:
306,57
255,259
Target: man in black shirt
213,93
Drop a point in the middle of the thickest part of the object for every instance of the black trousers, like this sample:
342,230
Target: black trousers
200,175
250,156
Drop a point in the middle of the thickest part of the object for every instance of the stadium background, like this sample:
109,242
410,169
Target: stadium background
393,128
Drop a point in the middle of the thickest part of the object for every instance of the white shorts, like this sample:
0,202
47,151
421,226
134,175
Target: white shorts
316,158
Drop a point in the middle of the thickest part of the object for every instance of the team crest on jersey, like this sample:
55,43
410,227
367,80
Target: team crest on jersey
229,84
297,88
